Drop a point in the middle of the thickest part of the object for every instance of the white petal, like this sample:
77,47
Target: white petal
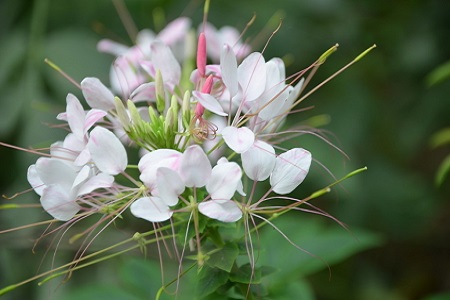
238,139
92,117
273,100
107,152
175,31
70,148
290,170
151,209
169,184
34,180
82,176
225,178
258,161
54,171
164,60
58,202
111,47
150,162
144,92
210,103
98,181
222,210
97,95
195,168
275,72
228,66
252,76
75,115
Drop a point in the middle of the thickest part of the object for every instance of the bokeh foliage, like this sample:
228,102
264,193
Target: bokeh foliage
382,115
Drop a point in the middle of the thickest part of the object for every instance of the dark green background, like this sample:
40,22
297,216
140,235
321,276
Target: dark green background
382,115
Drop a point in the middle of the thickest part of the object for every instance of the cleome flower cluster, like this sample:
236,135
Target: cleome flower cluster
202,132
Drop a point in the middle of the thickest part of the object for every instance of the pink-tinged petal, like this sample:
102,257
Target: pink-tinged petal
152,209
222,210
169,184
75,115
209,103
238,139
164,60
228,66
62,116
54,171
98,181
210,69
107,152
225,178
175,31
58,202
144,92
195,168
97,95
258,161
111,47
92,117
123,76
252,76
34,180
290,170
150,162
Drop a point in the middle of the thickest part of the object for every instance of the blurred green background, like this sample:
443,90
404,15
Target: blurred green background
383,112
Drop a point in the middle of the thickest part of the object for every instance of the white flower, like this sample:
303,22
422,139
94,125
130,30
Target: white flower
168,172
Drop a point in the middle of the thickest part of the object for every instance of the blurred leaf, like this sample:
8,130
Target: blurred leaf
295,289
439,74
246,274
443,171
12,56
440,138
101,292
325,246
210,279
225,258
441,296
143,277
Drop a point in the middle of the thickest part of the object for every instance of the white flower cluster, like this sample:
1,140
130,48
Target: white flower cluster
202,132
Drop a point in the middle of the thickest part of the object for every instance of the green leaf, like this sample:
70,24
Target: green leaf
322,246
443,171
246,274
141,276
294,289
441,296
439,74
210,279
224,258
440,138
100,292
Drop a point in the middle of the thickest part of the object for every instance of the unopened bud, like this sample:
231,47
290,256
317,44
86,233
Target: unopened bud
134,114
122,113
186,109
160,92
